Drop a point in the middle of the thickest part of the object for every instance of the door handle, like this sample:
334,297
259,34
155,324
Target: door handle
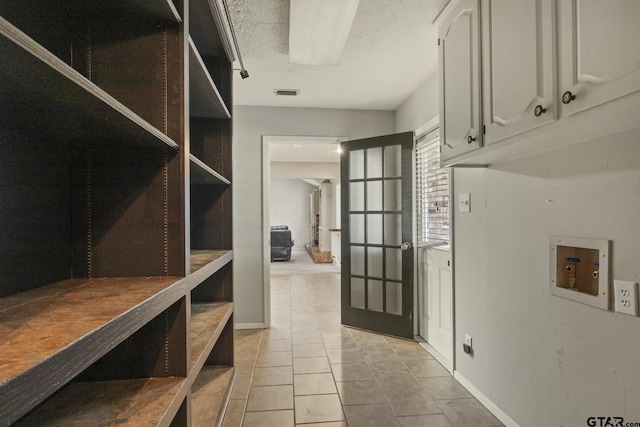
405,246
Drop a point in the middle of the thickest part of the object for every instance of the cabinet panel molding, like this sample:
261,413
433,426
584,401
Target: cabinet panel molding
518,67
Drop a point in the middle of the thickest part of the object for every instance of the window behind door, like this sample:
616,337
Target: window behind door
432,192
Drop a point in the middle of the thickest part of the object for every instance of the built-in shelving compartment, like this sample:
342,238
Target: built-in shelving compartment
51,334
86,213
136,402
141,379
207,262
205,100
208,320
212,346
210,394
74,73
206,24
35,83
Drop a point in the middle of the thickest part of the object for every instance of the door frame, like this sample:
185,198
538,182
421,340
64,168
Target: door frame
427,127
267,140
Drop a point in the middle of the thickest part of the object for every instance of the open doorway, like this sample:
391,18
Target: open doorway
301,177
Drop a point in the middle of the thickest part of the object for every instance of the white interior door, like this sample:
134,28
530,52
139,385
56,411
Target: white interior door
437,302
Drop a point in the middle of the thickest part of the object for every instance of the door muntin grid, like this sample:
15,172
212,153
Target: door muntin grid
375,229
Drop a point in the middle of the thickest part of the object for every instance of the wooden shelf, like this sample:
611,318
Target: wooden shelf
203,174
207,262
50,334
45,97
207,322
204,97
206,27
138,402
209,395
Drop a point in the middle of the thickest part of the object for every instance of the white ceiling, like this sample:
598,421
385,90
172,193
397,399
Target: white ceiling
391,51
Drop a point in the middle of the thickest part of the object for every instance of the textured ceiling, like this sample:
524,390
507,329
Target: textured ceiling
391,51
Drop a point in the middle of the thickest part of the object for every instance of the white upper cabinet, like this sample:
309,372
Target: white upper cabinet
553,73
460,85
517,66
599,52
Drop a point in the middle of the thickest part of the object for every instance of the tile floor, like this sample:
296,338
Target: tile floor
308,370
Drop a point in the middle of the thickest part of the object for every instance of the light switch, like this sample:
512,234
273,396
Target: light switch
464,202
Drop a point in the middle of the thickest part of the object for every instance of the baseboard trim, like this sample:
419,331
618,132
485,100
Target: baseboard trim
497,412
248,326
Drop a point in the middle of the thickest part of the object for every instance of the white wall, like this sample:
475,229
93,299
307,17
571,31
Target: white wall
313,170
542,359
250,124
289,204
418,109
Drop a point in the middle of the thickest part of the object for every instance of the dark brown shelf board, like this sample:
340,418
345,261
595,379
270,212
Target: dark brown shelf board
207,322
45,97
149,11
50,334
137,402
205,18
210,394
205,262
203,174
204,97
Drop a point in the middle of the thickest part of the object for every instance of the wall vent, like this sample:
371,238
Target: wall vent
287,92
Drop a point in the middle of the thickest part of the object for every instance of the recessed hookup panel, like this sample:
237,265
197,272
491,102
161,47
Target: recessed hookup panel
579,270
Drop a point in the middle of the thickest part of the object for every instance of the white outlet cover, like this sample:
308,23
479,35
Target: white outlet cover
626,297
464,202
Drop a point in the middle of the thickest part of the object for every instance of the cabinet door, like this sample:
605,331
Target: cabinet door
517,66
460,85
599,52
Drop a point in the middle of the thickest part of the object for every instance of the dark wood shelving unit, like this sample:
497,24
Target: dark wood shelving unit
116,258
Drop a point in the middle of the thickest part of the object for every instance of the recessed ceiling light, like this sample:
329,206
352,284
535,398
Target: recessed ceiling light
287,92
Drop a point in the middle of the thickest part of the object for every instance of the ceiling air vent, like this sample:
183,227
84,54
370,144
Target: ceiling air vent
287,92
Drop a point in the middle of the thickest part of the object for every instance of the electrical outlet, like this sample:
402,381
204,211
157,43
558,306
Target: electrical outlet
467,347
626,297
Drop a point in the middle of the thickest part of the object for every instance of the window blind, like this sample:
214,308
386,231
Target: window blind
432,191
